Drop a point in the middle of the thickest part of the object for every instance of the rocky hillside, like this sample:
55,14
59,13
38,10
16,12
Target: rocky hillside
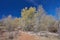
21,35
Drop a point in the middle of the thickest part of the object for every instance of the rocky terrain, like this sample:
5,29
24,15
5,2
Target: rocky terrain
21,35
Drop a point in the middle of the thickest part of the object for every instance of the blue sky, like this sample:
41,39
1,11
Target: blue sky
13,7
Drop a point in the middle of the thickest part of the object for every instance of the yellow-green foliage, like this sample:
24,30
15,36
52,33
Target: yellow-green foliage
27,13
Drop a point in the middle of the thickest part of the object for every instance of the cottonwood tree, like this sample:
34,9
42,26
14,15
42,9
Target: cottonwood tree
27,16
42,20
7,21
10,23
40,12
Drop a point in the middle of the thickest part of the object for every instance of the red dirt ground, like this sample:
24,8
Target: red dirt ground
25,36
